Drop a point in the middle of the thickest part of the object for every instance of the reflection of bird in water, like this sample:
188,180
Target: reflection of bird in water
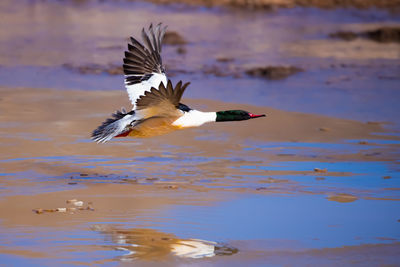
148,244
156,102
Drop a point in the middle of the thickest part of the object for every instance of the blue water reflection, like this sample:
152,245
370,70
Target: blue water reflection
312,220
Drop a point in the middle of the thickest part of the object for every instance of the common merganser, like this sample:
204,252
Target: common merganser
156,102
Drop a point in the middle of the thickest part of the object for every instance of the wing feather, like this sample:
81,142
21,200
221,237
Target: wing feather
154,39
142,66
162,95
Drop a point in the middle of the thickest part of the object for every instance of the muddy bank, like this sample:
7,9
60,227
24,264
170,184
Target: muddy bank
380,35
110,69
271,4
45,126
274,72
220,69
173,38
81,111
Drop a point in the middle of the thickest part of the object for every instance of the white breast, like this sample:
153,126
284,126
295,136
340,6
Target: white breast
195,118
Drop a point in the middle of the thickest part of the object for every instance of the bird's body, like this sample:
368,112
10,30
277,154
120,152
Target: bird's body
156,102
153,127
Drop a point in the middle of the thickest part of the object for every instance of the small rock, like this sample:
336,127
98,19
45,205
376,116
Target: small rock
225,59
38,211
384,35
132,181
95,69
273,72
78,203
71,201
261,188
171,187
343,198
61,209
320,170
181,50
50,210
380,35
344,35
173,38
323,129
387,177
363,142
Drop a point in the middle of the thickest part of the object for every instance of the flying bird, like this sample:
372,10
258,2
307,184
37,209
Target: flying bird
156,101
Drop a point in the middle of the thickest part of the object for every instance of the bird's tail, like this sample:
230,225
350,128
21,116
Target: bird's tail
119,124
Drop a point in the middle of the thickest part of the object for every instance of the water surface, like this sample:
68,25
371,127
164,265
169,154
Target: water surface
294,188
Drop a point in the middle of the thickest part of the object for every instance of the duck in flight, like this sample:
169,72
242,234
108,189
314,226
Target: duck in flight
156,102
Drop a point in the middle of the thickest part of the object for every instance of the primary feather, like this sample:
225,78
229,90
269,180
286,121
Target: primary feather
119,123
143,67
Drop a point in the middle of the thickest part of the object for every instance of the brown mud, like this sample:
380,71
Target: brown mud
381,35
273,73
173,38
48,127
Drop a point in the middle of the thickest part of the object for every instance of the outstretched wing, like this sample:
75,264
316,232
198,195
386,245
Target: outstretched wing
143,64
161,102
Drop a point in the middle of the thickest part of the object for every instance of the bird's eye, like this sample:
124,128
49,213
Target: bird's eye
183,107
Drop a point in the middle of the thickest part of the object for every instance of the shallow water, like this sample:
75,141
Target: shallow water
290,189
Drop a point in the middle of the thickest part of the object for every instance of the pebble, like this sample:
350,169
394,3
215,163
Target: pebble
78,203
38,211
61,209
71,201
171,187
320,170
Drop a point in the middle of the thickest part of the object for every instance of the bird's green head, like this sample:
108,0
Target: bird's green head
236,115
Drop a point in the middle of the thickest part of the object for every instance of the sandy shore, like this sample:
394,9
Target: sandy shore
40,125
46,136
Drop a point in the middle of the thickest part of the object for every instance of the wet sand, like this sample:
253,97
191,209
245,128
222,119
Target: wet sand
316,182
50,160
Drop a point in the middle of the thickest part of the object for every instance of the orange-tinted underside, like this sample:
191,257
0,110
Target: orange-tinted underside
152,127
